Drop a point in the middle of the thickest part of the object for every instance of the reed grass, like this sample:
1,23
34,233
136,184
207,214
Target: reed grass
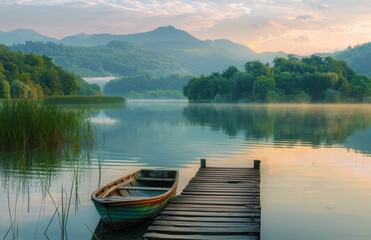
85,100
29,124
62,210
14,226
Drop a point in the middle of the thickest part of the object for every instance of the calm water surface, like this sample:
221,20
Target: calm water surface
316,167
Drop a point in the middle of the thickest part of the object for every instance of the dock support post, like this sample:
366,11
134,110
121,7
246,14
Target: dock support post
257,164
203,163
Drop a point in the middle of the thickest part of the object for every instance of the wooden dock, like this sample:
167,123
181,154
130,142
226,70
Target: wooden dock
218,203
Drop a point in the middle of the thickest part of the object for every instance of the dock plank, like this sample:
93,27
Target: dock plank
158,236
217,203
208,219
205,230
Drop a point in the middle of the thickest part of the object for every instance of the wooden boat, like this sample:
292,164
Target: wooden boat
135,197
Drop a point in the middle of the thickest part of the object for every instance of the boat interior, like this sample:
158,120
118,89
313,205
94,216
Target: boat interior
142,184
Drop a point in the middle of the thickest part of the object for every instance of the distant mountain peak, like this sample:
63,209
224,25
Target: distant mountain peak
169,33
22,35
169,27
24,30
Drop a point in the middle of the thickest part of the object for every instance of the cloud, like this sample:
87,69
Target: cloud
301,39
316,4
303,18
270,25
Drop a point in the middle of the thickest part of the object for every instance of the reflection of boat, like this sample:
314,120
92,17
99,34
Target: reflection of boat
135,197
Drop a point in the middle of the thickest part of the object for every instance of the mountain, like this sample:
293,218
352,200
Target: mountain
358,58
161,34
20,36
232,48
161,52
116,58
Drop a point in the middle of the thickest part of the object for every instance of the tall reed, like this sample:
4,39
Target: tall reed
29,124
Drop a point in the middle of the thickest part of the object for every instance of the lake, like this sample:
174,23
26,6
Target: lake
315,171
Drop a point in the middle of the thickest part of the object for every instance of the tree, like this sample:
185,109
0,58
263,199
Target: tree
68,83
50,79
256,69
361,87
332,96
18,89
316,84
241,85
229,72
288,82
261,87
4,89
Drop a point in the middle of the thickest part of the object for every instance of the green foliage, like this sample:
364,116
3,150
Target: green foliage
85,100
4,89
116,58
311,79
332,96
29,124
147,87
315,124
33,76
18,89
261,87
358,58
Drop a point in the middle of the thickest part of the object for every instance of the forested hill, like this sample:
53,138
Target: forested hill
311,79
358,58
159,53
147,87
115,58
32,76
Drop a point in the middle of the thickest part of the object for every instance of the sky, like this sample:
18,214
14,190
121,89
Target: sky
293,26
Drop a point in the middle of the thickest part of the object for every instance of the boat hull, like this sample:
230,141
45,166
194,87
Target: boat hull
120,212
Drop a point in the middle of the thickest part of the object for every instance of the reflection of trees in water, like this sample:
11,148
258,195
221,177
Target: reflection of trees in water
35,169
316,124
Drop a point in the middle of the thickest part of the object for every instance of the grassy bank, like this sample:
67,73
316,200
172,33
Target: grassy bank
85,100
28,124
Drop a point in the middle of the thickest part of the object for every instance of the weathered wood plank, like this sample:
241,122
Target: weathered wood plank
209,219
157,236
153,179
211,214
202,224
218,203
222,190
204,230
238,207
215,202
202,193
226,169
216,210
220,198
227,175
143,188
222,185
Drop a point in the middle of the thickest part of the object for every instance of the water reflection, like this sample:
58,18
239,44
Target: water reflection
290,124
36,169
100,118
308,165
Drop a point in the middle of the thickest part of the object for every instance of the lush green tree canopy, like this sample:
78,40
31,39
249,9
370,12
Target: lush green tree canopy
32,76
311,79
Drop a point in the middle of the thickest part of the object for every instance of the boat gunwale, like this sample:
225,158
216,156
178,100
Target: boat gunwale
158,198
